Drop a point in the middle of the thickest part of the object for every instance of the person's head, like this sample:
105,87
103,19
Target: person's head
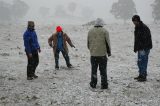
136,20
99,22
59,29
30,25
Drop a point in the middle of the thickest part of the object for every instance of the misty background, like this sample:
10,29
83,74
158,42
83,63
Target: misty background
74,11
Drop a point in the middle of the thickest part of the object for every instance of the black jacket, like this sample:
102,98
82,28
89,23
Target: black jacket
143,38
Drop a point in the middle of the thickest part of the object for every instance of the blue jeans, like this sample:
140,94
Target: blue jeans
101,62
65,55
143,61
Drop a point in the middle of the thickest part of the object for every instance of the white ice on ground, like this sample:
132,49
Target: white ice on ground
71,87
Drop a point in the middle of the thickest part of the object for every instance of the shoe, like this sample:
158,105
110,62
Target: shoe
56,67
104,86
142,79
136,78
69,66
92,85
35,76
29,78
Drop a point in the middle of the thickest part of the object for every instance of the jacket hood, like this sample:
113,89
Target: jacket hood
99,22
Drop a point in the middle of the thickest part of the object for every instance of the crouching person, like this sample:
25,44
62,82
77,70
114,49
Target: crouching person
58,41
99,47
31,48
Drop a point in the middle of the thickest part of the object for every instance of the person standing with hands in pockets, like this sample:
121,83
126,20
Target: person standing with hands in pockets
142,45
98,43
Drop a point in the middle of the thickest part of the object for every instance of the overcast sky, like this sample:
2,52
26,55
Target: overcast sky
101,7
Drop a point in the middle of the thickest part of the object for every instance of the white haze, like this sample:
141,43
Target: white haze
101,9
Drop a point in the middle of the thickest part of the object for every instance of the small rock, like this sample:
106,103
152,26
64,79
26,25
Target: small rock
18,47
4,54
20,53
2,98
158,80
46,70
34,97
11,78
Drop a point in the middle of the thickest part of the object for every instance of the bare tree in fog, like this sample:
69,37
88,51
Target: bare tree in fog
156,10
5,12
72,7
123,9
19,9
60,11
44,12
87,12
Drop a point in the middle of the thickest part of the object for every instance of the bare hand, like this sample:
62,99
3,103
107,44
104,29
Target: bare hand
50,44
109,55
39,50
30,55
73,46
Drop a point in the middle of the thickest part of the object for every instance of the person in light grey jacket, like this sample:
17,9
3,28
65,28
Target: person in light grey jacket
98,43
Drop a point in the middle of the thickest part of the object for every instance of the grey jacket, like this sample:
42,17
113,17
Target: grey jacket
98,41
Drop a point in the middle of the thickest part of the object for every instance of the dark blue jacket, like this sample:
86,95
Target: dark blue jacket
30,41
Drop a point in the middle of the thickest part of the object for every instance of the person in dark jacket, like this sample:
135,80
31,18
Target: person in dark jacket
142,45
58,41
31,48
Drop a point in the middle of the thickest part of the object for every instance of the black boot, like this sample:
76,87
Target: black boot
29,78
104,86
92,85
57,67
136,78
142,79
35,76
69,65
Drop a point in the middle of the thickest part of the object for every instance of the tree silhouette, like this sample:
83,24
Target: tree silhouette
19,9
44,12
123,9
156,10
72,7
60,11
5,12
87,12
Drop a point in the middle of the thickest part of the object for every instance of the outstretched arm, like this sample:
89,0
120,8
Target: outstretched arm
69,41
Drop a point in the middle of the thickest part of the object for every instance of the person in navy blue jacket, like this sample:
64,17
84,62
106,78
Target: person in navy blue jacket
31,48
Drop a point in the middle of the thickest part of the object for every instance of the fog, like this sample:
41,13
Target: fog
98,8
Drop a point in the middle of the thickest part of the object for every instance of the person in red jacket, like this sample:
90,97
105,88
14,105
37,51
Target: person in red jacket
58,41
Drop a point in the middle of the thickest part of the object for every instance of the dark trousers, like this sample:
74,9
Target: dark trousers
32,64
142,62
65,55
101,62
